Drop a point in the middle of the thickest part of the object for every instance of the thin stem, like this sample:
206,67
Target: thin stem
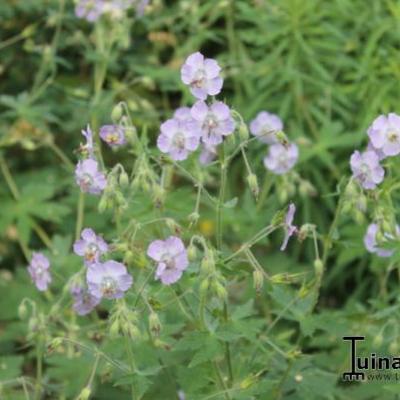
132,365
221,198
221,380
62,156
39,370
227,348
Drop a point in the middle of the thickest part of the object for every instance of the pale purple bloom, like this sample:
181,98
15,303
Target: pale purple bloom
39,271
84,301
90,10
88,149
215,121
371,243
290,229
109,280
89,178
181,395
90,247
281,158
384,134
378,152
113,135
171,257
179,137
366,169
208,154
265,126
182,114
202,75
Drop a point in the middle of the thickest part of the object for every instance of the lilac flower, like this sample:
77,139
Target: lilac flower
39,271
202,75
109,279
113,135
370,241
208,154
366,169
281,158
215,121
265,126
378,152
90,246
90,10
182,114
290,229
384,134
179,137
84,301
89,178
88,149
172,259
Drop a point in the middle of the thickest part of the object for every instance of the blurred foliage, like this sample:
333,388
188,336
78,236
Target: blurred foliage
327,68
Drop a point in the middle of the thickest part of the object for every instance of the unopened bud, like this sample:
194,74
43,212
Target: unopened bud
123,179
192,253
220,291
282,138
22,311
103,204
318,267
173,226
154,324
116,113
204,287
207,264
258,280
253,184
194,217
158,196
243,132
85,394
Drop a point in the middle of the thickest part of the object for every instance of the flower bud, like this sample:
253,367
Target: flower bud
154,324
103,204
318,267
22,310
220,291
55,344
173,226
207,264
192,253
84,394
204,287
258,280
243,132
116,113
158,196
193,218
253,184
124,179
282,138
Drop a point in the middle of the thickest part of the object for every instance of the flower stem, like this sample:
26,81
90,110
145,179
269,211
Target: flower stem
79,215
221,199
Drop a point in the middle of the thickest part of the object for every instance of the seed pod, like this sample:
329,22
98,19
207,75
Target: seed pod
116,113
204,287
253,184
22,310
318,267
192,253
243,132
124,179
258,280
84,394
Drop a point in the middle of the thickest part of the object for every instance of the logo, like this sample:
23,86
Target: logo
360,366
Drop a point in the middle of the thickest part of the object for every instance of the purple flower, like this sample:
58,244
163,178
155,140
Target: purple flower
371,243
113,135
182,114
89,178
378,152
281,158
290,229
265,126
208,154
171,257
90,10
202,75
109,279
88,149
215,121
84,301
366,169
384,134
179,137
39,271
90,246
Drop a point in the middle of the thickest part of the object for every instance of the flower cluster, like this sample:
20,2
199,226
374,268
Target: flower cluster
92,10
282,156
205,123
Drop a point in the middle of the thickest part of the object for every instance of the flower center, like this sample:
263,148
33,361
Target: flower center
169,261
392,136
108,286
86,181
91,252
210,122
179,140
112,138
199,78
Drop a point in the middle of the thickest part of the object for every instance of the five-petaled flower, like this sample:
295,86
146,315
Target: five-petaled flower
172,259
202,75
366,169
281,158
89,178
109,280
113,135
290,229
90,246
39,271
384,134
179,137
370,241
265,126
215,121
84,301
